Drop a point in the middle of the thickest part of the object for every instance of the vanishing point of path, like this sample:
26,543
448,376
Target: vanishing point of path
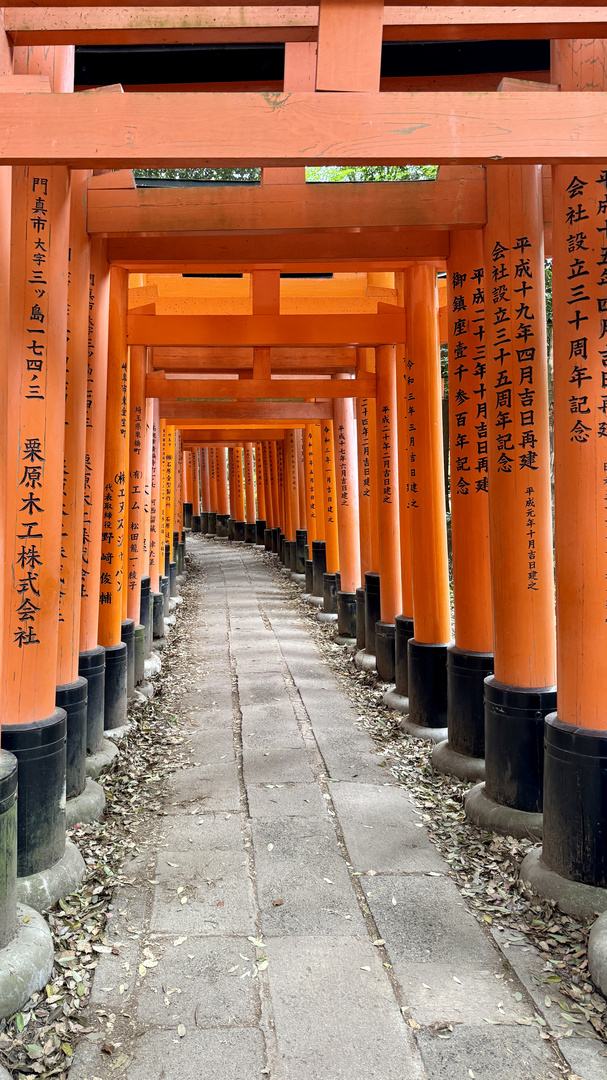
294,922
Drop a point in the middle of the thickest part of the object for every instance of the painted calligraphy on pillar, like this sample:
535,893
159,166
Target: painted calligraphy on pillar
386,454
329,481
310,471
467,381
363,414
88,465
344,497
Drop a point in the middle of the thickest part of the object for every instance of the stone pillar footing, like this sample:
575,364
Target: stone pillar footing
514,743
87,806
483,811
573,897
418,731
450,762
365,661
43,889
597,953
26,962
346,617
197,523
372,610
319,565
466,674
360,619
249,532
211,523
427,684
403,634
101,760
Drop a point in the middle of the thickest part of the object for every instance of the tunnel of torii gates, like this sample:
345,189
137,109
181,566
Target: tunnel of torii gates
201,391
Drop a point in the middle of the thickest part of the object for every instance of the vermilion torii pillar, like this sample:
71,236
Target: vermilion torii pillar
346,467
223,501
386,437
572,865
111,579
522,690
35,731
204,455
239,493
212,512
249,491
470,659
91,662
135,523
331,551
156,544
197,455
399,696
260,487
367,500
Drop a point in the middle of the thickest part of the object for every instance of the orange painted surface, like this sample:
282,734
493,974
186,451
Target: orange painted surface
189,476
280,473
428,527
162,533
270,466
196,456
329,496
178,507
468,431
519,460
223,504
156,564
239,483
136,498
75,436
111,581
367,485
301,477
349,44
387,483
249,482
94,460
231,483
255,329
213,461
34,454
147,486
317,454
169,488
260,488
404,507
346,475
310,485
292,484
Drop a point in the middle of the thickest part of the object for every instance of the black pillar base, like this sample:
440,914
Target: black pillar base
372,609
385,634
319,565
260,533
167,559
404,631
346,615
187,515
175,545
165,589
158,615
197,523
139,650
276,541
427,684
127,635
329,594
360,618
8,847
221,524
231,526
293,556
116,664
301,536
514,743
575,807
212,522
145,613
250,532
466,674
309,576
173,579
40,750
91,665
282,550
267,539
71,698
239,530
180,558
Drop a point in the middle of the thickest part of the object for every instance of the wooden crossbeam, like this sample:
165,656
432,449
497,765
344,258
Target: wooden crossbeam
258,389
184,360
441,204
286,130
287,412
219,436
265,329
289,22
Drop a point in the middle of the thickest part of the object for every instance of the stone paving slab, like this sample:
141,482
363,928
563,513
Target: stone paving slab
275,802
162,1055
378,830
211,787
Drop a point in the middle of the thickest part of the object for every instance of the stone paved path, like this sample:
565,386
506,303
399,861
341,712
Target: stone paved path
269,967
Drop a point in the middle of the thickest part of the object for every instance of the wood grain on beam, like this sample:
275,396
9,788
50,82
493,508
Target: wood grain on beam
287,412
428,204
265,329
157,130
258,389
185,360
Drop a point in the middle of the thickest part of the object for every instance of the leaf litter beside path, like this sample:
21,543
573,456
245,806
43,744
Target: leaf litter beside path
484,864
40,1040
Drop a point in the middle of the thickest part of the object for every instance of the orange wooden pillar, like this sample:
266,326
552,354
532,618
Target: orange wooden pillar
165,555
367,505
201,491
156,534
522,690
260,492
346,466
379,635
212,475
427,650
135,524
72,688
317,548
147,487
231,492
114,507
239,493
223,501
575,736
291,498
91,664
249,490
177,502
196,497
470,659
404,621
275,494
189,478
34,479
331,529
310,478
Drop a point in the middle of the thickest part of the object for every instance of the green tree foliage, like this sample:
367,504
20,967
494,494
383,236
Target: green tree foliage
322,174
